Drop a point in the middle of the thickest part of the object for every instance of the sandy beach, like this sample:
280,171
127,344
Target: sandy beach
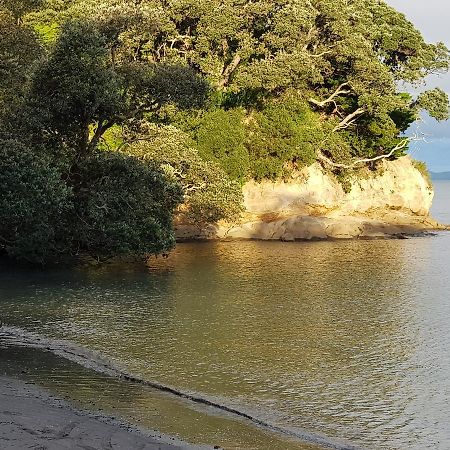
30,417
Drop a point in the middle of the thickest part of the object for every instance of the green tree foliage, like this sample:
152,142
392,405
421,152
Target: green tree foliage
435,103
209,195
119,204
282,133
122,206
345,58
33,203
90,91
74,89
220,137
18,8
18,52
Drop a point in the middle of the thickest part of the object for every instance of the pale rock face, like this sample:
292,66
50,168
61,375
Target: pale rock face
313,205
401,186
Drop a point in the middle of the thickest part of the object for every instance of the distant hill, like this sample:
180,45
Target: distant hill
440,175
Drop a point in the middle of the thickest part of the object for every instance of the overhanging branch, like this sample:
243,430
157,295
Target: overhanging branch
401,145
339,91
227,72
349,120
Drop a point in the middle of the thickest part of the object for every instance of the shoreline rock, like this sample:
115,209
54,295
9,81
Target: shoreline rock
313,206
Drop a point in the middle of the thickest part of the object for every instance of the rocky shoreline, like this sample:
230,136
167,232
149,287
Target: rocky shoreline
392,202
314,228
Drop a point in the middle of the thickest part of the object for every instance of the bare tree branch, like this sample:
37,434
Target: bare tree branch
309,36
101,129
192,187
349,120
227,71
399,146
321,54
339,91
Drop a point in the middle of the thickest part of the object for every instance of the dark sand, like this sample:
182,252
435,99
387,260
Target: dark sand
31,418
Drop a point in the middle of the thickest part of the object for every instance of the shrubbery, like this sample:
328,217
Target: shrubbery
220,137
114,205
122,206
209,194
283,132
34,205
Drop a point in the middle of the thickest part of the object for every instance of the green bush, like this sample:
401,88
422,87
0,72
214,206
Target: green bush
123,206
220,138
115,205
279,134
33,204
209,193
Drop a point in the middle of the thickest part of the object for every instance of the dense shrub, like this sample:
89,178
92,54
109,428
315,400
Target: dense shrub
281,133
220,137
34,202
209,193
123,206
115,205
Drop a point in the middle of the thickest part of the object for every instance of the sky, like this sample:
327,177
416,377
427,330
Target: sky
432,18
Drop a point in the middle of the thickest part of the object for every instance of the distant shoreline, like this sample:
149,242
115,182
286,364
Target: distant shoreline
440,176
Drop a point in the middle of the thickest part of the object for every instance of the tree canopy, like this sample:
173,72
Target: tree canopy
343,59
131,98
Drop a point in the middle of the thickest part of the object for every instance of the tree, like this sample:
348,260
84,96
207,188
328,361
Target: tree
345,57
95,96
115,204
434,102
19,8
33,203
19,50
78,93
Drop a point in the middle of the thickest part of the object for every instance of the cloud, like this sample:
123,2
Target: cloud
431,17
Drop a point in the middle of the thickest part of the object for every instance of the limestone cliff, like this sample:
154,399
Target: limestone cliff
313,205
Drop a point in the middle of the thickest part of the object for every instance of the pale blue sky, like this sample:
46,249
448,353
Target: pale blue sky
432,18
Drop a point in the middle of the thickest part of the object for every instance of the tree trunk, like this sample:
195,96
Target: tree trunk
227,72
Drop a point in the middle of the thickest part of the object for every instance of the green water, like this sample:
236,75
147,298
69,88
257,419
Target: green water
344,342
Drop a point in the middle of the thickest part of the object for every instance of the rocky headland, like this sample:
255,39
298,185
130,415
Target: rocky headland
393,201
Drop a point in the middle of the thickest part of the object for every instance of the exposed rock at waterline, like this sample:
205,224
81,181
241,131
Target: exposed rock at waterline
313,205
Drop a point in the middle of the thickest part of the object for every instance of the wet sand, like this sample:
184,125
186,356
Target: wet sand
30,417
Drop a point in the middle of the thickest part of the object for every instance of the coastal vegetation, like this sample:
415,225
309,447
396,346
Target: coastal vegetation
117,115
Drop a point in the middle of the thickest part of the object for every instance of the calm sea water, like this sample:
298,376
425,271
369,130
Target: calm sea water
345,344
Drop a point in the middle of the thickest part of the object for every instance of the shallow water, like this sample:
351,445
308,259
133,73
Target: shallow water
346,342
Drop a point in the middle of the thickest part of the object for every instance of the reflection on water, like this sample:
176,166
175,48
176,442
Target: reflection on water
346,339
139,404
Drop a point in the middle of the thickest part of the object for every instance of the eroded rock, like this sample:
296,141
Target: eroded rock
313,205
